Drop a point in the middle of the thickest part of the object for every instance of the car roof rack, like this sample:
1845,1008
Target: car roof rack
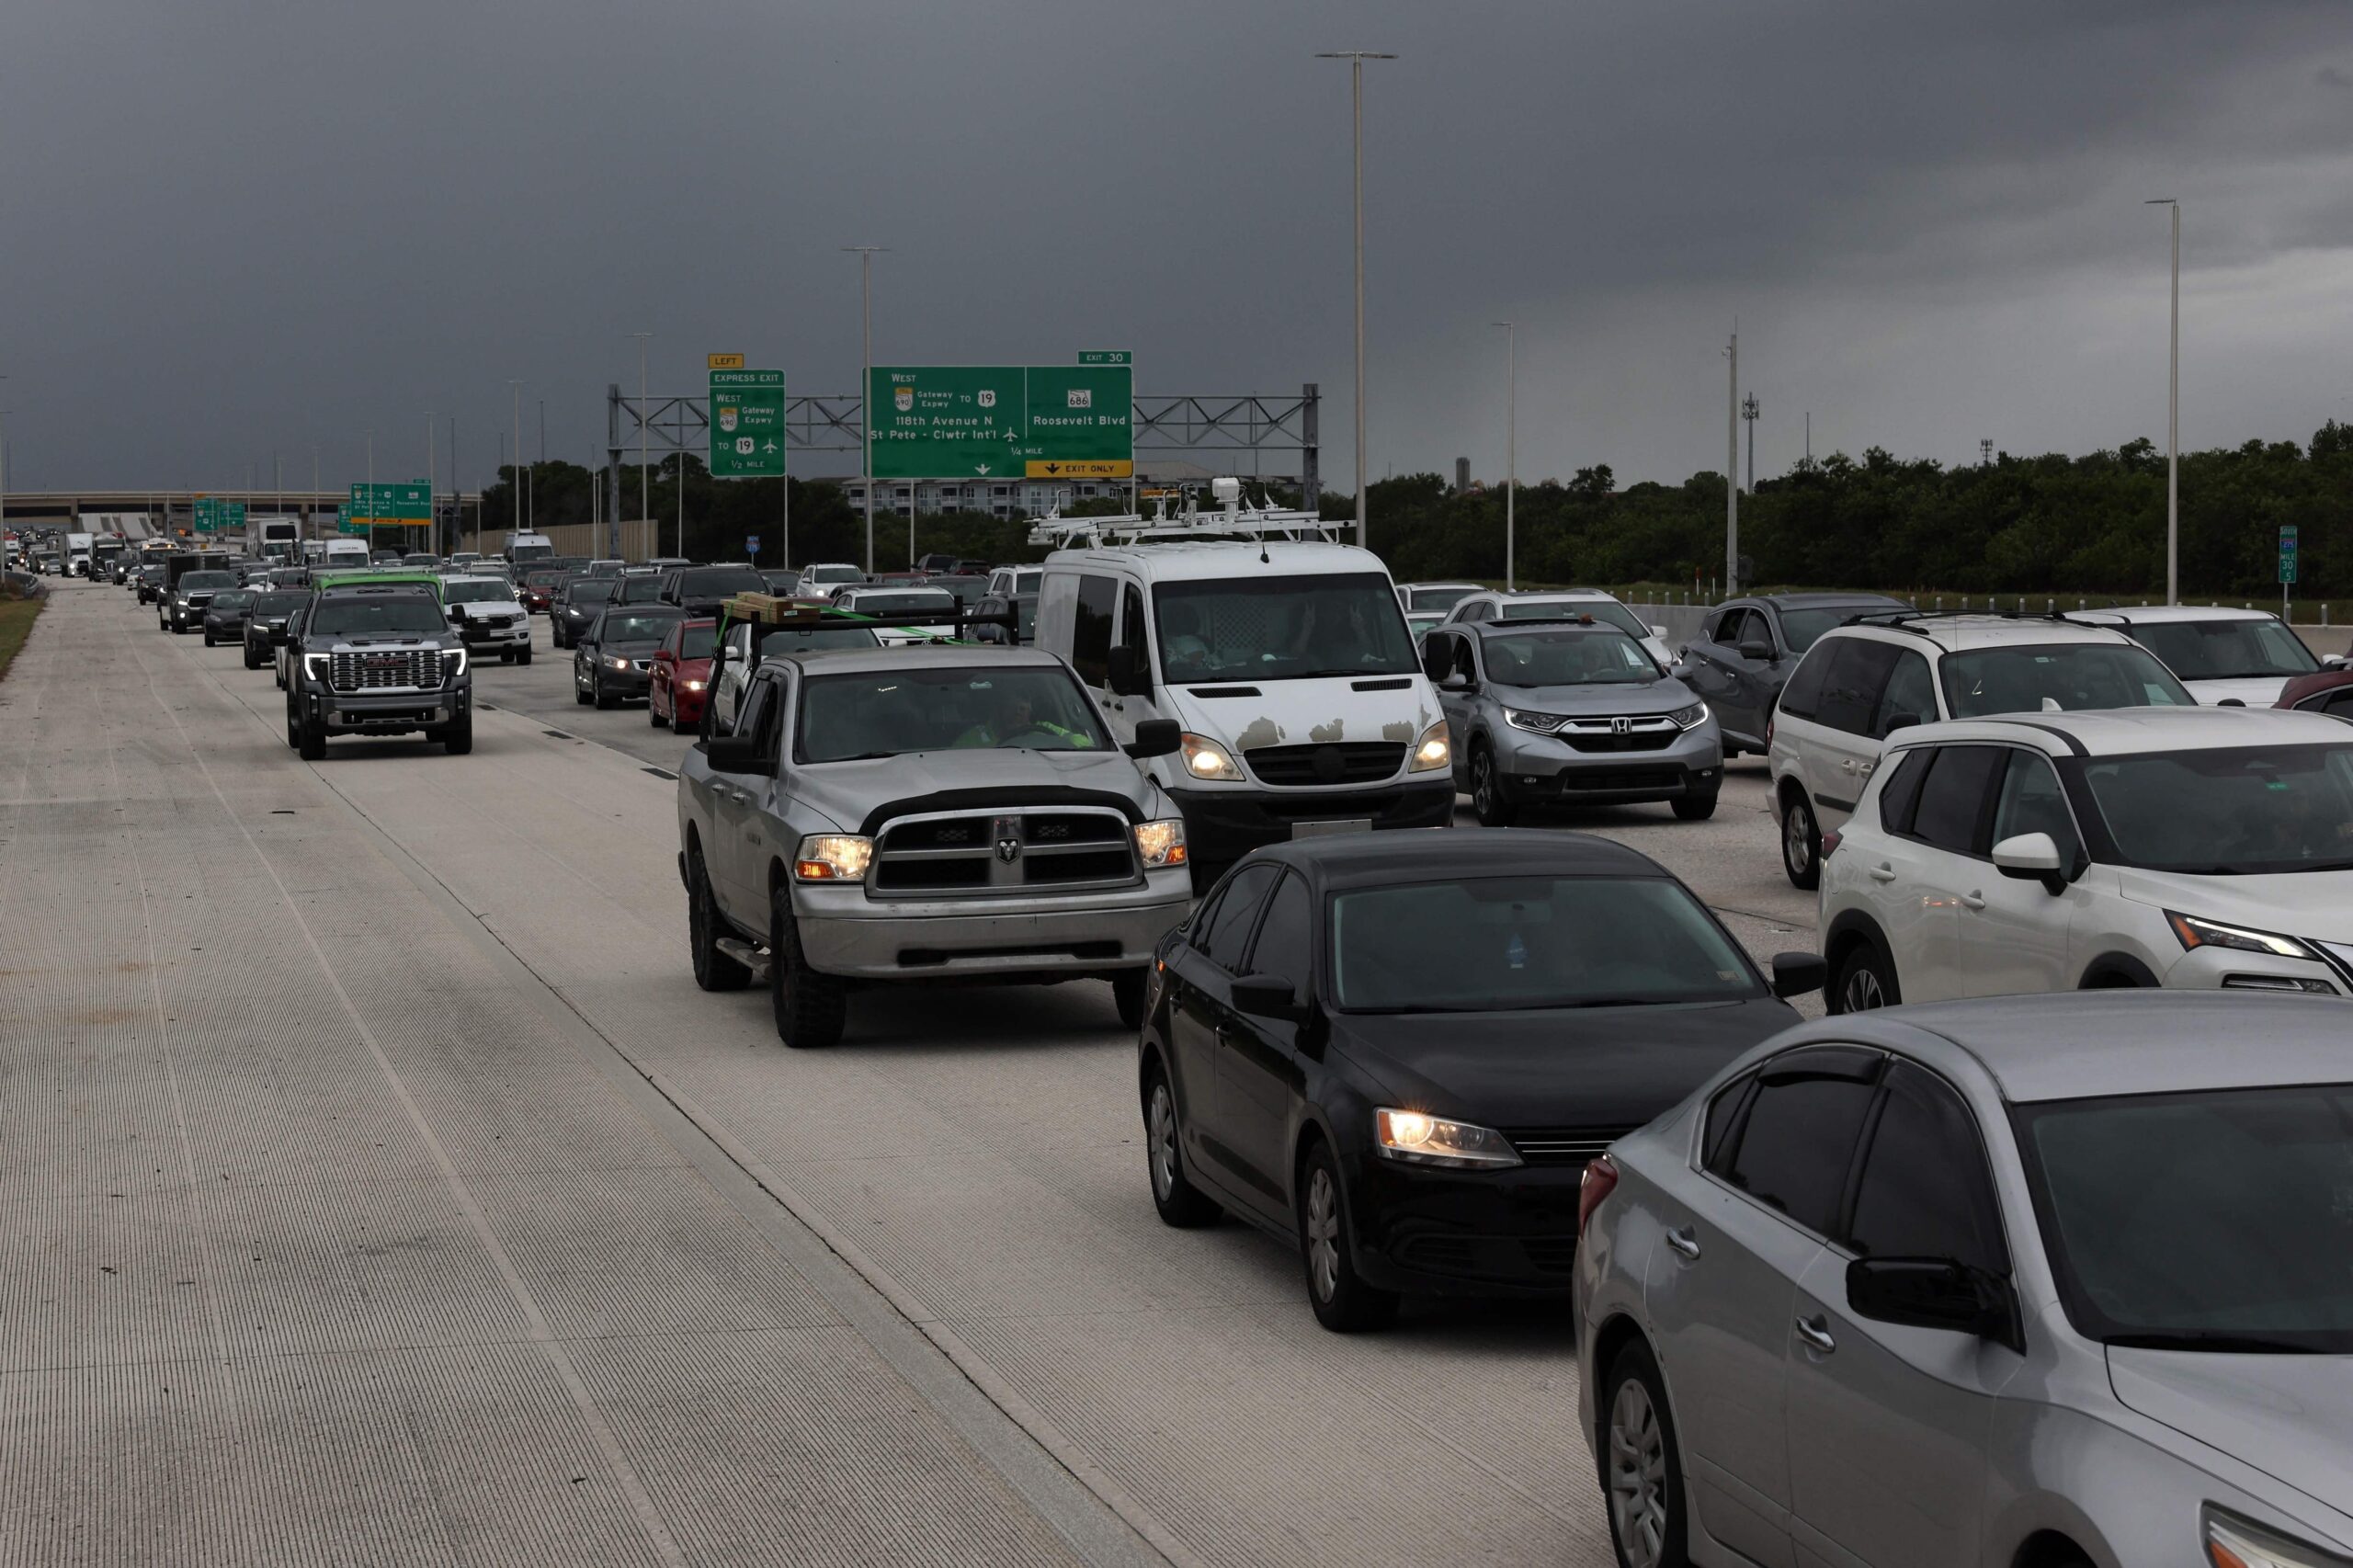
1513,623
1232,518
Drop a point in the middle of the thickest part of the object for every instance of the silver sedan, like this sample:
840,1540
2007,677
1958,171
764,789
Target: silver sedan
2054,1280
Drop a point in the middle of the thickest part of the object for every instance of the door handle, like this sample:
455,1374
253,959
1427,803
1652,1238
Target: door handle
1973,900
1685,1242
1815,1332
1846,765
1882,872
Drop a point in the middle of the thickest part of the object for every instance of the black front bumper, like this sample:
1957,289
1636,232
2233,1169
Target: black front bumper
1507,1232
385,712
1628,781
1223,825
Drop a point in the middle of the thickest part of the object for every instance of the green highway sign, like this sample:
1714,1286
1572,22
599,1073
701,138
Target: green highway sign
1002,421
215,514
746,423
2287,552
389,504
1105,356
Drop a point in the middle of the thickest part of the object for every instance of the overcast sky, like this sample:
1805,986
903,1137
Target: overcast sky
233,228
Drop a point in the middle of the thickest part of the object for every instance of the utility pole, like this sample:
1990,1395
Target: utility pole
1809,438
864,255
1356,59
1511,456
432,489
515,473
2173,419
643,510
540,464
1732,470
1748,412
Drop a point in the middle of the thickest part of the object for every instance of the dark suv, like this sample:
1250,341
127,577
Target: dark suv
702,590
1746,649
377,660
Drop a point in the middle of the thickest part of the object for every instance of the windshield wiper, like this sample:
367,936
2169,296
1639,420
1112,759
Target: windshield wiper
864,757
2210,1339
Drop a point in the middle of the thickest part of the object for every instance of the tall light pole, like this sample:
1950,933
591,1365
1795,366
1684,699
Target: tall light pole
643,509
1748,412
1356,59
514,474
866,254
432,482
533,518
1732,470
2173,418
1511,456
371,495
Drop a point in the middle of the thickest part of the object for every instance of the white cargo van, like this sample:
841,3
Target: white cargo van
1283,659
345,552
522,547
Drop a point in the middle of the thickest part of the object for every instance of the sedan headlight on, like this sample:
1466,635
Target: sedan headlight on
2193,932
1691,718
618,662
1417,1138
1204,758
1161,843
2233,1542
832,858
1433,751
1538,723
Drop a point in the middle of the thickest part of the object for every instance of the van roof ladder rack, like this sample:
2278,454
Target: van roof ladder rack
1234,519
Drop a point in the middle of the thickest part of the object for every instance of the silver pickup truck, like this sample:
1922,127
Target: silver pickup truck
952,813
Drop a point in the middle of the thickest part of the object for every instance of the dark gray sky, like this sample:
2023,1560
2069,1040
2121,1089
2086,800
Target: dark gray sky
230,228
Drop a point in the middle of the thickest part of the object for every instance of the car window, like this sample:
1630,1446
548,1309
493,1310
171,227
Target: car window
1901,791
1090,632
2031,803
1229,928
1797,1138
1724,1116
1850,691
1926,1190
1952,797
1133,630
758,702
1740,626
2066,676
1285,948
1802,691
1910,693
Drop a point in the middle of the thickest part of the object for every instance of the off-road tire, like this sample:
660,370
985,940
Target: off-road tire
810,1008
714,970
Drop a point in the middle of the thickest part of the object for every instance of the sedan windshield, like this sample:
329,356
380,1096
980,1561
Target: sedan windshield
2213,1221
1439,599
377,616
635,626
208,580
279,604
1568,655
1504,943
2227,650
1281,628
718,582
591,591
234,599
852,717
463,591
643,589
1609,612
2057,677
2243,811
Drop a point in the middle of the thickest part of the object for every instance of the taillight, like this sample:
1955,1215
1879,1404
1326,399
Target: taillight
1830,844
1600,1179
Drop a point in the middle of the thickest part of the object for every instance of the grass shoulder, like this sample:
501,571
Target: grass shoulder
17,617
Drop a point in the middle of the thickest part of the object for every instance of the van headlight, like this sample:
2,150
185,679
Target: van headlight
832,858
1161,843
1204,758
1433,751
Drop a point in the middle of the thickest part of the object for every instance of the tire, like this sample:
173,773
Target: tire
293,730
310,740
1801,846
579,695
207,638
1488,802
1180,1203
1696,808
522,657
1866,981
1343,1302
457,734
714,970
810,1008
605,700
1127,994
251,662
653,715
1641,1465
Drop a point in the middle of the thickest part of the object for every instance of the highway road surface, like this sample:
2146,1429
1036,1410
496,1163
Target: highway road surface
383,1190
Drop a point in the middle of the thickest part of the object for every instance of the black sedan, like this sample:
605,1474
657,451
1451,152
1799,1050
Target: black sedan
265,623
149,582
224,618
613,660
1398,1050
577,606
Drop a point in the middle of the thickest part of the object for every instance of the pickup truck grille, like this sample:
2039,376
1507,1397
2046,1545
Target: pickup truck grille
1339,761
1008,852
392,669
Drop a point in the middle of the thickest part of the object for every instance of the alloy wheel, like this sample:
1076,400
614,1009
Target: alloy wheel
1323,1234
1482,784
1862,992
1161,1125
1637,1476
1797,841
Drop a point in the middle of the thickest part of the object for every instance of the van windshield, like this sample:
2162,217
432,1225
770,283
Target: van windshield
1282,627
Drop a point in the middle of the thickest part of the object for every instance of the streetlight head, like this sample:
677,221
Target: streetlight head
2161,201
1353,54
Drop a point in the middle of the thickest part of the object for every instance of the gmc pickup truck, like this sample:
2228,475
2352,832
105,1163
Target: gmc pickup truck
882,816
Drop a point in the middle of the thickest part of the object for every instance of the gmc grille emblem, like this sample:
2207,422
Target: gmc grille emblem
1621,726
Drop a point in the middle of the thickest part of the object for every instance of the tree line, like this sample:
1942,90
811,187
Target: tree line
2091,525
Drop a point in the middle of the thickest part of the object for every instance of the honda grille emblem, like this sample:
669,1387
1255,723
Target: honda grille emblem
1621,726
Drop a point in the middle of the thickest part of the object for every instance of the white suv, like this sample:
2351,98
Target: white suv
2221,654
1487,604
1862,682
2179,846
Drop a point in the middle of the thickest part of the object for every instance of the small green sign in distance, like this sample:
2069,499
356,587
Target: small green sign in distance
746,424
1001,421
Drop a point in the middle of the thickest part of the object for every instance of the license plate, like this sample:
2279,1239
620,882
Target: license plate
1336,824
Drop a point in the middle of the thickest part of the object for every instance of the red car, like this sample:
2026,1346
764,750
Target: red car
2326,691
539,591
681,675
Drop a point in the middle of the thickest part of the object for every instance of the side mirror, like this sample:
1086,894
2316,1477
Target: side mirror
1934,1293
1457,681
1795,974
1157,737
1126,673
1267,997
1901,721
2334,662
736,754
456,612
1755,649
2031,858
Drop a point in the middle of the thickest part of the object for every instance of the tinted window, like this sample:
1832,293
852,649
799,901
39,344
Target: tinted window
717,582
1850,692
1952,798
1910,694
1901,791
1798,1138
849,718
2031,802
1229,928
1282,627
1132,627
1090,632
1803,688
392,615
2241,812
1924,1190
1724,1116
591,591
2069,675
1286,937
2226,650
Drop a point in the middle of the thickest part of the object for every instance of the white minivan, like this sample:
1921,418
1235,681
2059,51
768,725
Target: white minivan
343,553
1287,667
